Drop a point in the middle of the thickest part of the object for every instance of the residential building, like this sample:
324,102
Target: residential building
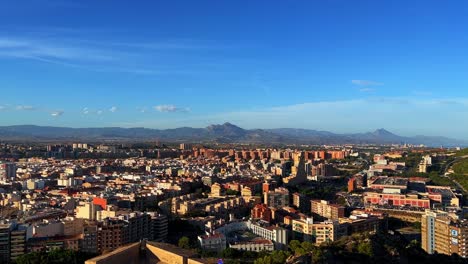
262,212
277,198
256,245
301,202
276,234
5,230
213,242
17,244
318,232
444,235
327,210
7,171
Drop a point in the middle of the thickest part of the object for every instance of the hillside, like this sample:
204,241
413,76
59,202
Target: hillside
224,133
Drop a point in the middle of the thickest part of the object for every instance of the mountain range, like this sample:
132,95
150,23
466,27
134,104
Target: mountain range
225,133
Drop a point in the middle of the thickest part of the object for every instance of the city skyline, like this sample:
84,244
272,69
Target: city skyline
337,66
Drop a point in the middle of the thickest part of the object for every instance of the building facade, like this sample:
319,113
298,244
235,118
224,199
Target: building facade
327,210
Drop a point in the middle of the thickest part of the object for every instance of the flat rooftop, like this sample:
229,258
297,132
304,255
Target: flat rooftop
444,191
391,181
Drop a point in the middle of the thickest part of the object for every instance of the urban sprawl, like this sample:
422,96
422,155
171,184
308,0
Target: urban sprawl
226,203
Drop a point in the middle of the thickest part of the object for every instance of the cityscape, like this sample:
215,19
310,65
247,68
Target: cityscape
231,132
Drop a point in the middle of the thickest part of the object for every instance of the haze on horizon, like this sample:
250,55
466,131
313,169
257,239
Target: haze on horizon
340,66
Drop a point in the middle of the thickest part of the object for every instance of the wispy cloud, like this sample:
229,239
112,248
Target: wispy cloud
88,111
367,90
366,83
46,51
113,109
142,109
25,108
105,56
56,113
170,109
422,93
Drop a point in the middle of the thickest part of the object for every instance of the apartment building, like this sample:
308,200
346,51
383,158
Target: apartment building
327,210
277,198
442,234
319,232
276,234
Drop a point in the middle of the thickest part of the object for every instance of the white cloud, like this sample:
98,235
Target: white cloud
142,109
25,108
170,109
367,90
366,83
113,109
99,56
48,51
56,113
88,111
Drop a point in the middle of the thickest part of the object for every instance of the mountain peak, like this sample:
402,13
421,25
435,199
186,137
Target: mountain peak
227,124
226,129
382,132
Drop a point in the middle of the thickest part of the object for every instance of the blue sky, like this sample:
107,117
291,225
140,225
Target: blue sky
338,65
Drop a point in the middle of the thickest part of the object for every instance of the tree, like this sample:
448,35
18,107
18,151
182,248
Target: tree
317,255
307,246
365,248
279,257
54,257
294,245
276,257
264,260
184,242
230,253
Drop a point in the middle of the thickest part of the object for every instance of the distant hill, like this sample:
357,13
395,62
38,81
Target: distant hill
227,133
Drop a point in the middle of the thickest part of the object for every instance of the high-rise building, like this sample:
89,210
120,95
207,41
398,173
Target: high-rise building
139,226
5,230
111,235
185,146
301,202
159,227
17,244
89,243
7,171
442,234
323,170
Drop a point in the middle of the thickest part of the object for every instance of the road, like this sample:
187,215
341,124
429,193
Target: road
447,167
